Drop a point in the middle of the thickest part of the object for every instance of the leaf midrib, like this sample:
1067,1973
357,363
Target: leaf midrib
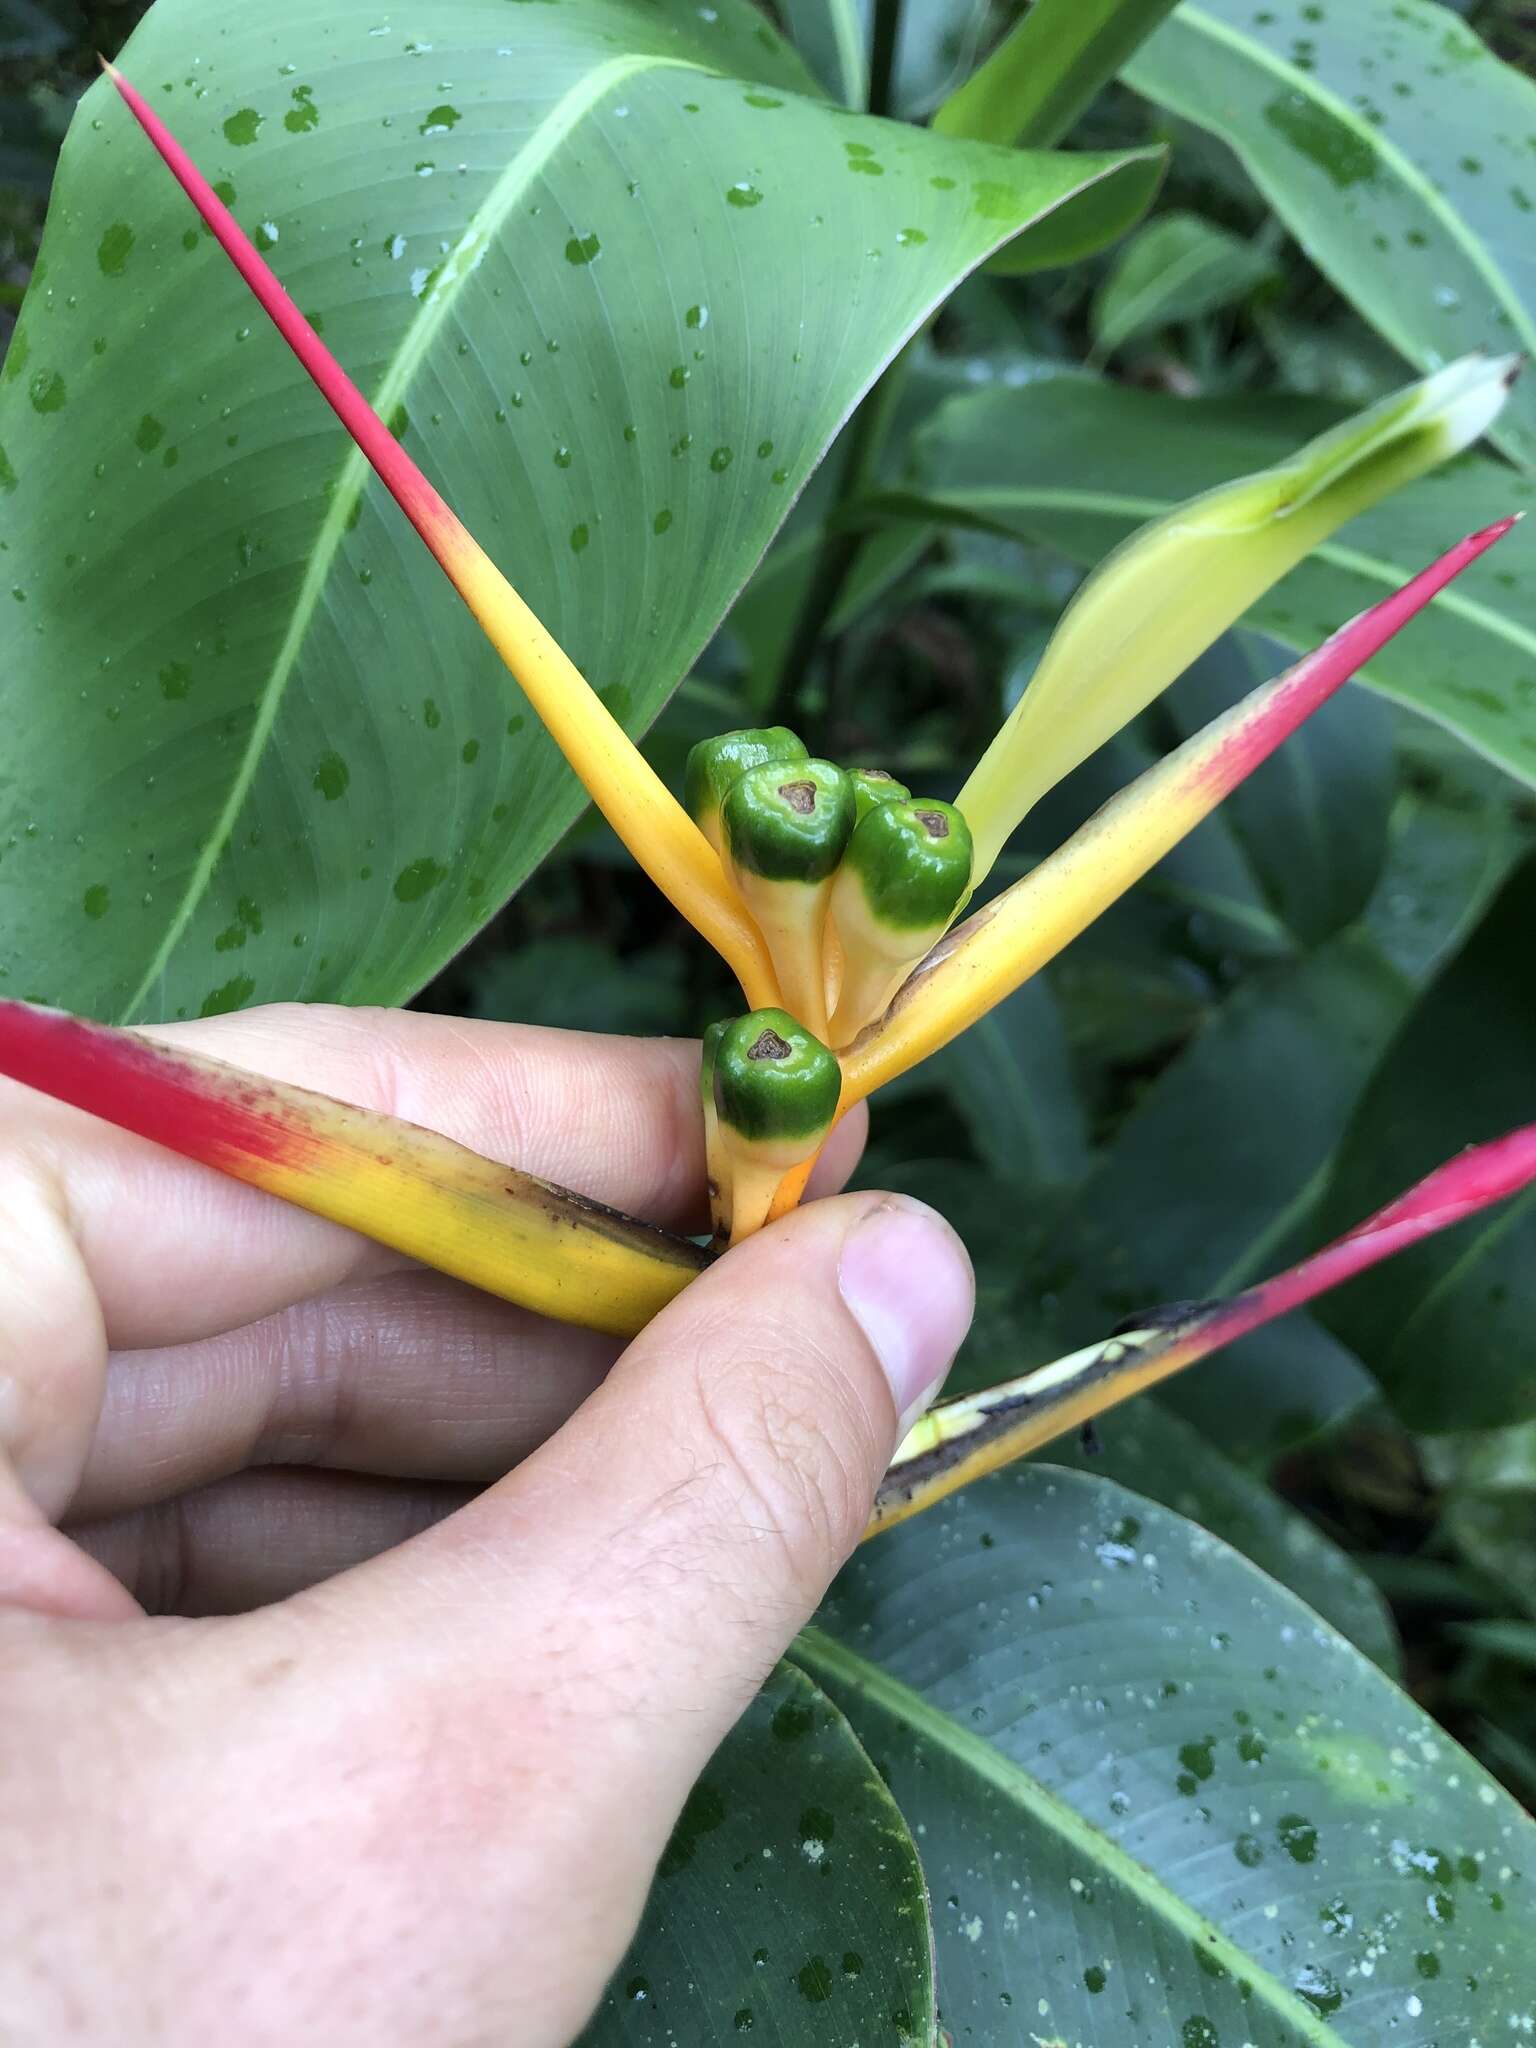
821,1653
557,125
1200,23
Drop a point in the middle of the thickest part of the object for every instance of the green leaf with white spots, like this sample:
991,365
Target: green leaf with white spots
1394,146
790,1903
1149,1449
616,272
1159,1800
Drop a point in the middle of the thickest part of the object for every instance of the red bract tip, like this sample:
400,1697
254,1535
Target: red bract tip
422,505
1474,1180
1293,697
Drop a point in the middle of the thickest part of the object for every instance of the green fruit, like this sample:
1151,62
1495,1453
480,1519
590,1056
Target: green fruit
789,821
912,862
714,765
873,786
776,1086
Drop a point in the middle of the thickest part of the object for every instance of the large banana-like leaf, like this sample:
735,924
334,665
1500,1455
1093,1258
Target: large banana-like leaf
1078,465
1395,147
616,272
1150,1450
790,1904
1159,1800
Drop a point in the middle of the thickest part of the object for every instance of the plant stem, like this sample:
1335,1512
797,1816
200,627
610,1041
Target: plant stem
1087,48
882,54
839,546
836,553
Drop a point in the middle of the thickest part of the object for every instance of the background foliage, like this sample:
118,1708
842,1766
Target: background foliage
1325,990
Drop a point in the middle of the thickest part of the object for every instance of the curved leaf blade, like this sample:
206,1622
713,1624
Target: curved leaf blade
1175,268
1164,1800
1394,146
790,1904
1047,68
567,253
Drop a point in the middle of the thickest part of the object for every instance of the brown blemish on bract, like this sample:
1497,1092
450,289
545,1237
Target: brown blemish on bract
771,1047
934,823
800,796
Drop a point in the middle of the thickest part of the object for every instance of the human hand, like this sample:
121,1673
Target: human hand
411,1784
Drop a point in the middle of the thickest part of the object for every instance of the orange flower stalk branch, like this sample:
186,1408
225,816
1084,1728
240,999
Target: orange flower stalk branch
635,801
412,1189
966,1439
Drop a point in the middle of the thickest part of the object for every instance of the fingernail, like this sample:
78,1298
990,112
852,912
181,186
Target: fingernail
908,1284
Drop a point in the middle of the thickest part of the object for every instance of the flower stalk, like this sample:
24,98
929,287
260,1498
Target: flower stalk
906,872
786,826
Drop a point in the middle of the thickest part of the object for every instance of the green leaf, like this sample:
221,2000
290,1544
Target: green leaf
1175,268
1460,1071
1284,1386
1489,1487
1080,465
1148,1449
1451,846
1010,1078
1515,1641
1047,68
567,250
790,1904
1395,148
936,46
1160,1799
1221,1163
1312,821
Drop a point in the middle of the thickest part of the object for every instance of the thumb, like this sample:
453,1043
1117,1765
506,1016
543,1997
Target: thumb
641,1573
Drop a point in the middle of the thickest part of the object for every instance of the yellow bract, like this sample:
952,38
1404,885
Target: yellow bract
615,774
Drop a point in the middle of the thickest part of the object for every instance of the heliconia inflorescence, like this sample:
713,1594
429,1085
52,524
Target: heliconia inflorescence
789,866
832,894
